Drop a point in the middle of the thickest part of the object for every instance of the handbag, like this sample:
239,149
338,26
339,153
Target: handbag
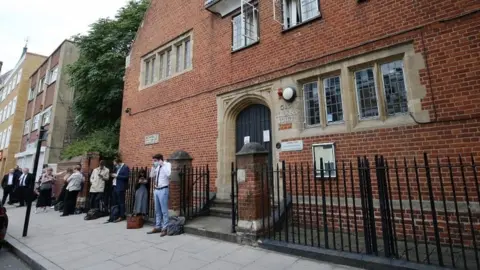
45,186
134,222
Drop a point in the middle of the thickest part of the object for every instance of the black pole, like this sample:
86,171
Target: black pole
32,185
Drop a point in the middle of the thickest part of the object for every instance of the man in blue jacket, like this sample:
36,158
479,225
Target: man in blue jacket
120,184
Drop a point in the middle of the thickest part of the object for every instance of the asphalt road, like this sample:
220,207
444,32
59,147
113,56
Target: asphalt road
9,261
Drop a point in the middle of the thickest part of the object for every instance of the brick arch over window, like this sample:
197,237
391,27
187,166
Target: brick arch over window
229,107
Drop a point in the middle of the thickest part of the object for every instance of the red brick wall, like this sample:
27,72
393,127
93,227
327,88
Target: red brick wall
38,103
29,110
23,147
183,109
33,80
55,58
43,69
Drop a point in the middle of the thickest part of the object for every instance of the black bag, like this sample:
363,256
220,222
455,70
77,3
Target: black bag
94,214
59,206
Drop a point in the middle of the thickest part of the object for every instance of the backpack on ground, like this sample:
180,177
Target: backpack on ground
94,214
175,225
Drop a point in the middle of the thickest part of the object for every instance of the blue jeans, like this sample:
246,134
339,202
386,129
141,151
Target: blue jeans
161,208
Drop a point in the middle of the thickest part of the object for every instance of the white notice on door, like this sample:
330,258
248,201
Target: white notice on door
266,135
246,139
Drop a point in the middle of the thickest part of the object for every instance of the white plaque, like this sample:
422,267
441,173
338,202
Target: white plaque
241,175
266,135
151,139
292,146
246,139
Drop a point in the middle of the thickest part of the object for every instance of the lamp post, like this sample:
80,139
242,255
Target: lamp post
32,186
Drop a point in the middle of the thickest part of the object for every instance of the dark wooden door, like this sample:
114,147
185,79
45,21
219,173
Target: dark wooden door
254,122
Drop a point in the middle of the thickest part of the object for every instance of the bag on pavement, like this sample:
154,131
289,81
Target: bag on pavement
175,225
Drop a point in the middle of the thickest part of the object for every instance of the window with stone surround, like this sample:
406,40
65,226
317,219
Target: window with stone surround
245,27
323,106
167,61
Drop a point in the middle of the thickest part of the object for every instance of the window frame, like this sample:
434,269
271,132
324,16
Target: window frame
324,96
305,107
380,64
244,44
27,126
357,100
287,26
9,136
48,112
52,79
40,85
35,122
317,170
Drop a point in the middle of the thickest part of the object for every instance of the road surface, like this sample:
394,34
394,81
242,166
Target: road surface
9,261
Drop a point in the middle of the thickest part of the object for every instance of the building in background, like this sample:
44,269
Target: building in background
49,104
13,99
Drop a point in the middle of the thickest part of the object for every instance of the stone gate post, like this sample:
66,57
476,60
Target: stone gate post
179,159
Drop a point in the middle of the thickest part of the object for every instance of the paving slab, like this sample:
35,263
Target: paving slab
55,242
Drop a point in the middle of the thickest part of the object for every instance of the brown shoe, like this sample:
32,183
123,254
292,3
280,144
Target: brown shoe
163,233
155,230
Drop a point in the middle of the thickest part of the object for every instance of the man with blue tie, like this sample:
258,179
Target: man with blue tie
120,184
162,170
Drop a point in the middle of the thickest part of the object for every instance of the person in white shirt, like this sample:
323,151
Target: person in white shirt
163,170
8,184
73,188
97,181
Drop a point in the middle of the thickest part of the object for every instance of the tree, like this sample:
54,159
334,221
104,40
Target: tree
97,75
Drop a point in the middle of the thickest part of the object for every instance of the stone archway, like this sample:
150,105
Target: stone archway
229,106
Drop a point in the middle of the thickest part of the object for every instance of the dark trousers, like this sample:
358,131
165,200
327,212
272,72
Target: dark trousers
22,193
119,199
95,199
7,191
70,202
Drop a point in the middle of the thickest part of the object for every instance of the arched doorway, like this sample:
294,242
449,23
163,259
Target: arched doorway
253,124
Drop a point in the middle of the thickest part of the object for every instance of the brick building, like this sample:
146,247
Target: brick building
49,104
13,99
308,80
389,77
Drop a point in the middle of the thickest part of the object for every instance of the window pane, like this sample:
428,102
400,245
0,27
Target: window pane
237,32
333,99
312,106
169,63
147,71
366,93
251,25
187,54
178,55
309,9
161,72
152,70
395,90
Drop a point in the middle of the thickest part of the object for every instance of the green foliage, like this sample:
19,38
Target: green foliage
97,77
104,141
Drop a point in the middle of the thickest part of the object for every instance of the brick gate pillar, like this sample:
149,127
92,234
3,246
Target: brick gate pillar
252,161
179,159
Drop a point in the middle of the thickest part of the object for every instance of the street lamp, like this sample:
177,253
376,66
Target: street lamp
41,138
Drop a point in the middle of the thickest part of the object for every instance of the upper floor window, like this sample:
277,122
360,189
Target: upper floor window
40,85
169,60
394,93
19,76
31,94
36,122
26,128
9,133
46,116
52,75
245,27
323,106
298,11
14,105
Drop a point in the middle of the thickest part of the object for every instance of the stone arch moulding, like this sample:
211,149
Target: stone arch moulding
229,106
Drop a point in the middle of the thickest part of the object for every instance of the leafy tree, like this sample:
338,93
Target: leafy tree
97,76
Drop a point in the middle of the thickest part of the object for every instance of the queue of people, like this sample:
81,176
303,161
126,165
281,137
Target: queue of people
17,185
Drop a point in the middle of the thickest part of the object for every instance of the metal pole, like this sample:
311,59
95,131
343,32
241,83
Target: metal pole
32,185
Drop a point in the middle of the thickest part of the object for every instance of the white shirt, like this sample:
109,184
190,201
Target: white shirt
75,181
22,180
163,174
10,179
115,179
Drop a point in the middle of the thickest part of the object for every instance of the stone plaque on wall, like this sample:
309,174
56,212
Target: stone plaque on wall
151,139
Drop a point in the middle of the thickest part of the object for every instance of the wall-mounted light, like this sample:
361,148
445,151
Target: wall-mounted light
128,111
289,94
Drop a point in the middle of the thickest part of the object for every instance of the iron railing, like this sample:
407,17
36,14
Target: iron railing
416,210
194,191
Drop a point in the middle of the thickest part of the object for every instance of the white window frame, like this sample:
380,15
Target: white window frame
9,134
27,126
47,112
241,20
41,85
14,106
31,94
290,7
52,75
36,122
316,160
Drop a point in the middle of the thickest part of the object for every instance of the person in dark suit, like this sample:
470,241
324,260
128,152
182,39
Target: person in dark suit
9,183
120,184
25,183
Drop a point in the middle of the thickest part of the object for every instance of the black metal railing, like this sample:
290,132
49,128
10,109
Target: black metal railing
416,210
194,191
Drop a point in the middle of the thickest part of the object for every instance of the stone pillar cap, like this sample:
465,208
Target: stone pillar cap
180,155
252,148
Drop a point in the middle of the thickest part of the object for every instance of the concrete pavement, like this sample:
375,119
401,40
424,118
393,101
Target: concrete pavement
10,262
56,242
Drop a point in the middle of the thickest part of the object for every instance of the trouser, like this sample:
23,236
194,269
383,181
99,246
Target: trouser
7,191
70,202
95,198
119,199
161,208
22,195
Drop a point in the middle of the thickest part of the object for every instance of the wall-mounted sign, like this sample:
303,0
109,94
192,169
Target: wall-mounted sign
266,135
292,146
246,139
151,139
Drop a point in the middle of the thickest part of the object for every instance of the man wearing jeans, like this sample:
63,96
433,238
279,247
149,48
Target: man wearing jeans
163,170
